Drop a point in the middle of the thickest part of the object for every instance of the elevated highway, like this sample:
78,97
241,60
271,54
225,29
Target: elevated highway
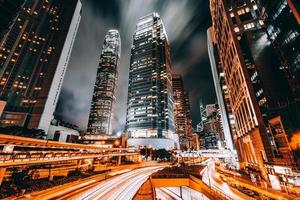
23,152
11,140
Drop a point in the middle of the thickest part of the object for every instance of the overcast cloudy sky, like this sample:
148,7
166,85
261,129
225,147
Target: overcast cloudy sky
186,22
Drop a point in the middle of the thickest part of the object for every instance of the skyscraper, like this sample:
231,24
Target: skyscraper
34,55
104,97
285,36
190,130
182,118
257,87
202,118
150,118
212,135
228,124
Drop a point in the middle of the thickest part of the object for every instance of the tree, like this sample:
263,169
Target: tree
20,177
23,131
161,154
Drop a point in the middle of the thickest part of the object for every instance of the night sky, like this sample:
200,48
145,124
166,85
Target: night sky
186,22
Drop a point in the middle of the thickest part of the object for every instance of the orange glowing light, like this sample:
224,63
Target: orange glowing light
295,141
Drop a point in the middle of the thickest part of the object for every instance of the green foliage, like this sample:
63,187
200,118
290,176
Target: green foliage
24,132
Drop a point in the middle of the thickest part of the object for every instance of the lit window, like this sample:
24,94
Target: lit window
280,9
261,22
291,36
249,25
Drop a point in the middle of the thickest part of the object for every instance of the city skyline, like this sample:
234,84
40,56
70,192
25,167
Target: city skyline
230,67
190,65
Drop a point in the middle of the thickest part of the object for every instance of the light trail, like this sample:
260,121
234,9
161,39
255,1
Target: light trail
209,176
121,187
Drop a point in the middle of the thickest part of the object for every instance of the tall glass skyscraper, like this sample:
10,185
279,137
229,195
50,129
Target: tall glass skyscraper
285,37
150,118
101,114
35,48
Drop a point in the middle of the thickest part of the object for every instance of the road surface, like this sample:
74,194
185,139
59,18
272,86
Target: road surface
124,182
121,187
211,178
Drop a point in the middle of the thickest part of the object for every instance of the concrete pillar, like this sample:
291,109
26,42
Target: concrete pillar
78,165
2,173
119,160
51,175
180,191
131,158
137,158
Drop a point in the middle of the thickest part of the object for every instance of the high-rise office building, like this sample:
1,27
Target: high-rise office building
150,118
285,36
104,97
212,135
182,118
202,118
228,124
256,84
282,19
34,55
190,129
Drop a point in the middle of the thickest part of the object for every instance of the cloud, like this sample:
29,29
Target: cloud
196,51
186,32
77,90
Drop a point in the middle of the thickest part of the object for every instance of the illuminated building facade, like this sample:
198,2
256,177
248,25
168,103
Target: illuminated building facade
182,110
208,140
104,97
196,141
227,121
34,55
202,118
256,85
285,37
150,96
212,135
190,129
